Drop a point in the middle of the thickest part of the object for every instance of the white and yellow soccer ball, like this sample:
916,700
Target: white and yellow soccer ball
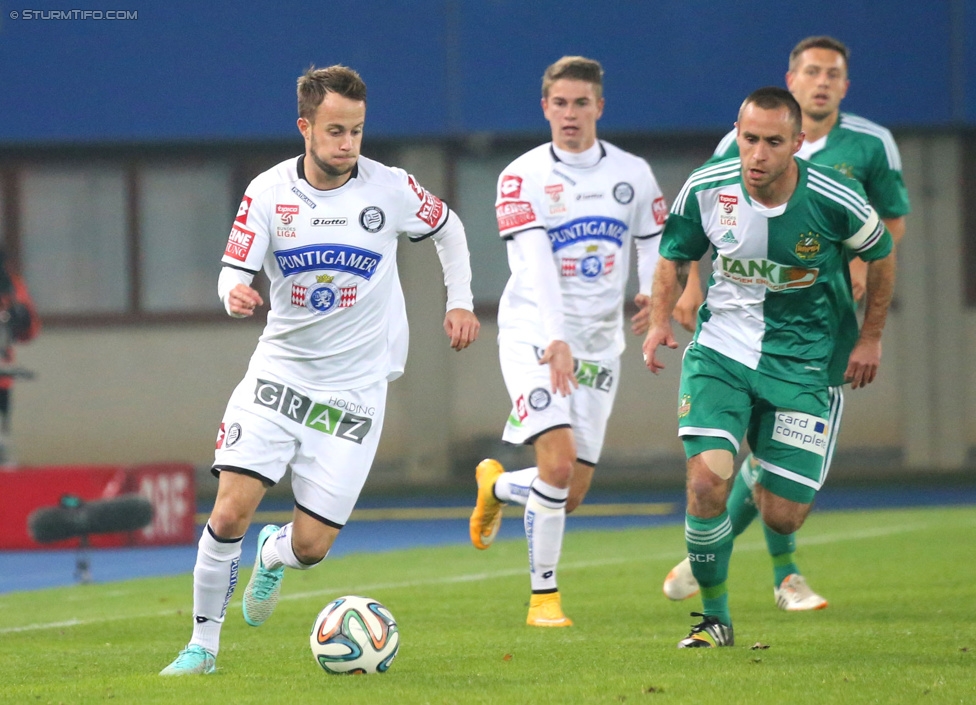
354,634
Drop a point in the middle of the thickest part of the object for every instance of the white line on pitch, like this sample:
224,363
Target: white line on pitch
470,577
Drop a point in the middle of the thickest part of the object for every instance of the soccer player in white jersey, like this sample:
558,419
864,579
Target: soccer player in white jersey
568,211
865,151
779,310
324,227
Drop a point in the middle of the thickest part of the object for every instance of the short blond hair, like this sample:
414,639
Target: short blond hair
315,83
574,68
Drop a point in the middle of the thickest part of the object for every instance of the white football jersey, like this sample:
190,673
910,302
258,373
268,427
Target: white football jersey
337,318
590,214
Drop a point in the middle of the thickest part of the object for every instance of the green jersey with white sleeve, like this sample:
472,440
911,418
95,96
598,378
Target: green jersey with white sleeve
779,295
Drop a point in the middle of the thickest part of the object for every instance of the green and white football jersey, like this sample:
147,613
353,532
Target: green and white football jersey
779,295
859,148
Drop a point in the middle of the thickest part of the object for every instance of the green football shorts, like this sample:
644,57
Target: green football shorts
788,423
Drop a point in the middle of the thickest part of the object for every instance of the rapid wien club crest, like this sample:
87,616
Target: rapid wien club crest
808,246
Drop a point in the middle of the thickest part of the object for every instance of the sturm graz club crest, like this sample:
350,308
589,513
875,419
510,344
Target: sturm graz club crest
233,435
372,219
539,398
623,193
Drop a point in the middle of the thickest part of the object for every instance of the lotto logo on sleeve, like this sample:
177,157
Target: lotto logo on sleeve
243,210
660,210
419,190
802,431
239,243
514,214
510,186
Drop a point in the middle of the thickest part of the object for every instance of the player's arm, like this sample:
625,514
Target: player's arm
865,359
670,278
535,250
235,292
686,309
647,257
859,268
246,246
460,323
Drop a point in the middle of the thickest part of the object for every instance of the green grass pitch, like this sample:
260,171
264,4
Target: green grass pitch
900,627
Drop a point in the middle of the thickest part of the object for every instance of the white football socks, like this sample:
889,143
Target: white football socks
513,487
545,521
214,580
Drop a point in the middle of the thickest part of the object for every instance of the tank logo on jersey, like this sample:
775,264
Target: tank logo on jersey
589,228
623,193
514,214
308,201
660,210
684,406
728,210
762,272
328,222
801,431
243,210
809,245
510,186
328,418
340,258
372,219
539,398
239,243
286,212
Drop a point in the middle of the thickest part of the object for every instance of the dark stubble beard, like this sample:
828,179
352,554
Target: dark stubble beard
327,168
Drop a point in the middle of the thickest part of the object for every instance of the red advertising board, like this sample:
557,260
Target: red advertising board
168,486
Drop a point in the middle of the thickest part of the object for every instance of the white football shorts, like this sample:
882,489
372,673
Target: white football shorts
328,439
536,408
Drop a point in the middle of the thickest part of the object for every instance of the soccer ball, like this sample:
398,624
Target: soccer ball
354,634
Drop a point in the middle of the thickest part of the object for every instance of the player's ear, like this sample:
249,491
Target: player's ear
304,126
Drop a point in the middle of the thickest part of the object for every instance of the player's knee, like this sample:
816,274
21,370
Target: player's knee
310,551
229,521
783,524
574,500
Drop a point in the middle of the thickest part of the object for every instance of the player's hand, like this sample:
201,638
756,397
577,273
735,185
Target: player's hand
862,365
859,278
657,336
462,327
686,310
242,300
641,321
560,360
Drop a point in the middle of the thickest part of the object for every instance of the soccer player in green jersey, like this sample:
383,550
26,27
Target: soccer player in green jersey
865,151
778,311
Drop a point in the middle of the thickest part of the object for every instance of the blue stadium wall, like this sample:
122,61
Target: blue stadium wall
187,71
